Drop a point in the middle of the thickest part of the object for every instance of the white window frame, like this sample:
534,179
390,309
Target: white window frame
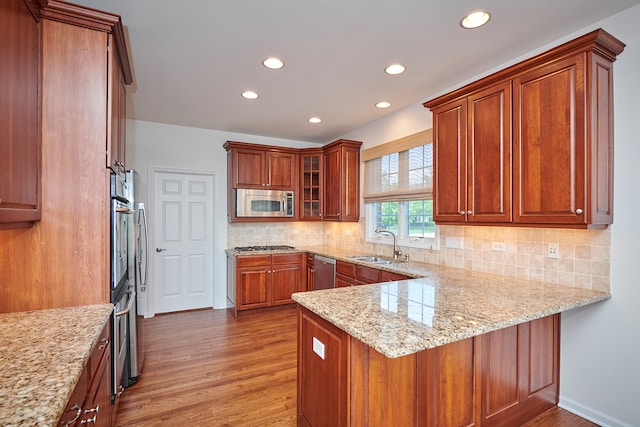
403,240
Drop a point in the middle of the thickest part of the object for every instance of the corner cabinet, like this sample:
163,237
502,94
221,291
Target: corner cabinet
560,104
20,109
342,181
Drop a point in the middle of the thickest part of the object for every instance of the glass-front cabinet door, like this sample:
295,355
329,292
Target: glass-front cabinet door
311,185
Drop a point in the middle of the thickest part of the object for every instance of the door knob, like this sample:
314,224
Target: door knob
160,249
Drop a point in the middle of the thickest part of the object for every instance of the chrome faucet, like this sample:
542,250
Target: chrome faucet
396,249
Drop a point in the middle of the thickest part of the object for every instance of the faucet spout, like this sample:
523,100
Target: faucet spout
396,249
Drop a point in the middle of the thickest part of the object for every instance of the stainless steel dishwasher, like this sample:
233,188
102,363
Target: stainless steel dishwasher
324,272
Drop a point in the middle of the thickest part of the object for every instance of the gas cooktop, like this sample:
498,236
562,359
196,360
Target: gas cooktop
262,248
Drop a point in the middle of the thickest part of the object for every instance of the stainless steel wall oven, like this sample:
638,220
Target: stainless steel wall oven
121,296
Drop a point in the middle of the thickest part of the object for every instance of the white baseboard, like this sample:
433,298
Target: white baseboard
590,414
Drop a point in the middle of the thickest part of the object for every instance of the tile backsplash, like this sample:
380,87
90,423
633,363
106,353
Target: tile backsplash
583,255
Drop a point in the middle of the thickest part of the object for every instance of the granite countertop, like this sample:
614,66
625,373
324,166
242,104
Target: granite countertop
444,305
42,355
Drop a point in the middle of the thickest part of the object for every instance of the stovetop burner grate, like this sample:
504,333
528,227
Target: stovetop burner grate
263,248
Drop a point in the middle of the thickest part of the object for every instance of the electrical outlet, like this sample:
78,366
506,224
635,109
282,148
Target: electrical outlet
296,232
318,347
497,246
553,251
347,233
453,242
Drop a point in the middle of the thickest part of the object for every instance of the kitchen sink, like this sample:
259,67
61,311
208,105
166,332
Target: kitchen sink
371,259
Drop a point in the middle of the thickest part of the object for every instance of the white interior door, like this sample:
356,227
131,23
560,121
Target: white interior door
183,236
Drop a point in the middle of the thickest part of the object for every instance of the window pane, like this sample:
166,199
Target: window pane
389,172
420,218
387,215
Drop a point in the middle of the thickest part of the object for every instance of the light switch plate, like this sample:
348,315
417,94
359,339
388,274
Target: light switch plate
318,347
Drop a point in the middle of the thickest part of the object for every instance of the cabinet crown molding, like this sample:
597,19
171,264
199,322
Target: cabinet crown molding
61,11
598,41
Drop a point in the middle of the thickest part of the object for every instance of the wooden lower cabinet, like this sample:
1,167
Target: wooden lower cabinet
266,280
349,274
90,402
501,378
323,391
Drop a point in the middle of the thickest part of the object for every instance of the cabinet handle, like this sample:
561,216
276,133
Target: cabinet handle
91,420
469,212
102,344
578,211
462,213
78,410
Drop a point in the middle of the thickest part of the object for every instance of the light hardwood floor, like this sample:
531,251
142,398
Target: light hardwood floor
205,368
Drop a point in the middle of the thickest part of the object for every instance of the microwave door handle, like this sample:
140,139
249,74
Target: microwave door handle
283,205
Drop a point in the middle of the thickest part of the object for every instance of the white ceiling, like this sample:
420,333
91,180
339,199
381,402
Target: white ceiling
192,58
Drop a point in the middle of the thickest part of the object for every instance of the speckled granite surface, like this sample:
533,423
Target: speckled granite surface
444,305
42,354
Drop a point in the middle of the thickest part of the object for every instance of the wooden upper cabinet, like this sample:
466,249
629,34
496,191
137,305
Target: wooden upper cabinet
117,106
552,117
450,161
311,185
19,116
563,142
473,157
262,167
342,180
489,155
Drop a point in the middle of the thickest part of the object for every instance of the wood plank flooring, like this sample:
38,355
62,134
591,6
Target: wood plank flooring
205,368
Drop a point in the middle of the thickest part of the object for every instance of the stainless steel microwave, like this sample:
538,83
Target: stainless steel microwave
264,203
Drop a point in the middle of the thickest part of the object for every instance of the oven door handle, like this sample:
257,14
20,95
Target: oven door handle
132,301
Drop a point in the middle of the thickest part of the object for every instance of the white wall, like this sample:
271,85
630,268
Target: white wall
600,366
191,149
600,344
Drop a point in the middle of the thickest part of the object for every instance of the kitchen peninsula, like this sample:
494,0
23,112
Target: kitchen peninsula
454,347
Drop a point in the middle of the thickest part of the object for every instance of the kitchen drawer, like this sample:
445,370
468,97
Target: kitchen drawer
253,260
102,346
292,258
346,268
387,276
367,274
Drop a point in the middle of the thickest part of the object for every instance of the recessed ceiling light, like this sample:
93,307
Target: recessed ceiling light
315,120
394,69
249,94
383,104
475,19
273,63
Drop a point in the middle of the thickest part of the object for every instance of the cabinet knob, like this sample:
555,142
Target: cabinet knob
578,211
462,212
469,212
103,343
